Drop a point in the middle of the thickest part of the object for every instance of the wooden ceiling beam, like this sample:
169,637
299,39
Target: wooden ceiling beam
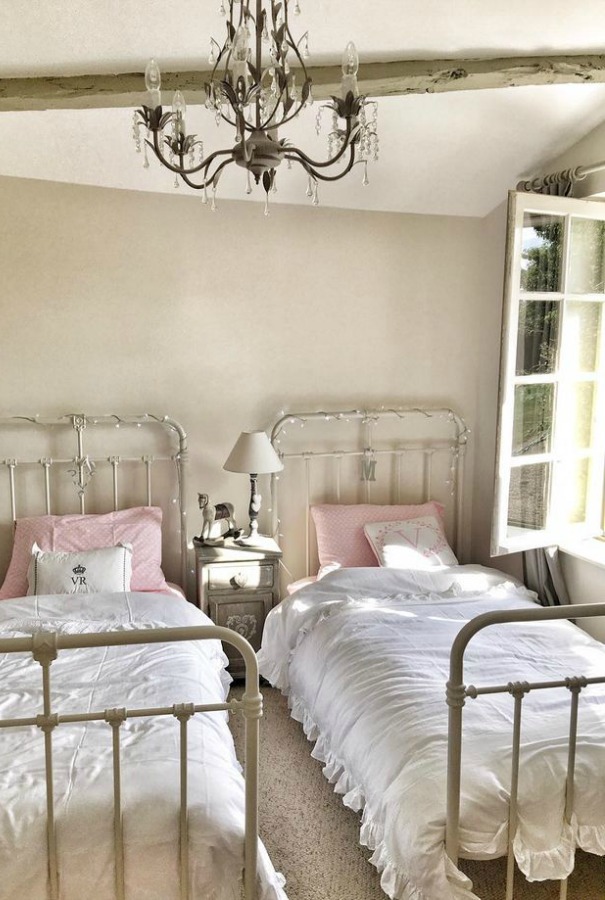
375,80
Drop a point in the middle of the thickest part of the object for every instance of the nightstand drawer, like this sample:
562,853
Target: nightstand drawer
241,577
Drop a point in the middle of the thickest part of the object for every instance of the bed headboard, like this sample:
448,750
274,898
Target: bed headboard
92,464
387,455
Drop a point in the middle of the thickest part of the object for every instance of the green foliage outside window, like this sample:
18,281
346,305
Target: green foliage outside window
541,268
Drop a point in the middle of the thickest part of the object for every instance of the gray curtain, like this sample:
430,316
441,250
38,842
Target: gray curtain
542,573
558,190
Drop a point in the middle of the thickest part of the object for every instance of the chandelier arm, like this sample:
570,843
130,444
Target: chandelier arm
228,120
259,54
311,167
230,34
294,46
208,179
264,125
288,118
348,144
178,171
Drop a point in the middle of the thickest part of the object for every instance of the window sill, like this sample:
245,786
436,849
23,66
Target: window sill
590,550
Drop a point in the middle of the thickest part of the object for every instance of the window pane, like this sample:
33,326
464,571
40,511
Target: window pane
581,336
586,268
538,336
576,411
571,500
532,430
541,253
528,496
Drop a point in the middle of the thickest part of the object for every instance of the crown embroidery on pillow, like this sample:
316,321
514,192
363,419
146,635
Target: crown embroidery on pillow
78,578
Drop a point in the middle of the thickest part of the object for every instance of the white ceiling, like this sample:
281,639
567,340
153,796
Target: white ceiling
447,153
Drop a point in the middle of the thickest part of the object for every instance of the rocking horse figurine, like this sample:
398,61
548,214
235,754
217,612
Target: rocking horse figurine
214,517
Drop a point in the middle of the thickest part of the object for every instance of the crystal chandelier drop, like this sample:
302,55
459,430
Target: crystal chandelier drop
258,85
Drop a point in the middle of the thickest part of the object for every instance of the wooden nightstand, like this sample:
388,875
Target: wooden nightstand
236,587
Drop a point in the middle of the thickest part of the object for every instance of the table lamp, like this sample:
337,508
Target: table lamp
254,455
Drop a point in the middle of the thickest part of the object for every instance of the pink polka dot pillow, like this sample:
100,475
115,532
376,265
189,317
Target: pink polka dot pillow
341,541
140,526
418,543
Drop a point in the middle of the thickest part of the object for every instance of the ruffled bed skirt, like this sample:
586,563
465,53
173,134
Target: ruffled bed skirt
554,864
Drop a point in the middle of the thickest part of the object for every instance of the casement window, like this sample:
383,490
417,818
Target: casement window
551,434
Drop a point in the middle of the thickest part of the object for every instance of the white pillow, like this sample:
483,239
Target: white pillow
80,572
411,544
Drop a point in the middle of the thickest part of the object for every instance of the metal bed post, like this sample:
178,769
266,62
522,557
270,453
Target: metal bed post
457,692
115,718
44,651
252,709
79,424
307,459
46,463
460,452
12,464
181,460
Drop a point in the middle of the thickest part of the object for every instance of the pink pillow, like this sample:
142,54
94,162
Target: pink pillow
140,526
340,537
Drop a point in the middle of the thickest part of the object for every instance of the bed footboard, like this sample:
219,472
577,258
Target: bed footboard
457,692
45,647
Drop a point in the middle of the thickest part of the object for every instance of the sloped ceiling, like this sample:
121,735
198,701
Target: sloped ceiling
454,153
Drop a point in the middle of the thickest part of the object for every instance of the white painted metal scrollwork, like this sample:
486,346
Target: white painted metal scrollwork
81,466
371,453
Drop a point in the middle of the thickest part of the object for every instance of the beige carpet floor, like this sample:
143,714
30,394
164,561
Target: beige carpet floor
313,839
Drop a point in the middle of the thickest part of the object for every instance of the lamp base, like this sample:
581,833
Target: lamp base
257,542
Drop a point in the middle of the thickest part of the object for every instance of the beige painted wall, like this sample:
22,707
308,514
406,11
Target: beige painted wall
120,301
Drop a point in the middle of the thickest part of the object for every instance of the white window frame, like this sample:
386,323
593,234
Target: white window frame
556,531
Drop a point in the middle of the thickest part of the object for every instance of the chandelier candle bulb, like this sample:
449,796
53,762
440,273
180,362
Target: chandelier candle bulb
241,55
350,68
153,82
179,108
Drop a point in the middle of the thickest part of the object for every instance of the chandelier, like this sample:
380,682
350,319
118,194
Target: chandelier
258,85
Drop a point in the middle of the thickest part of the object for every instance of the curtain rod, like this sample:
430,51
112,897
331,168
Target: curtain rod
566,176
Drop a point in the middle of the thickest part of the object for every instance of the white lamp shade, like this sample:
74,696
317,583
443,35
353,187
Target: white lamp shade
253,453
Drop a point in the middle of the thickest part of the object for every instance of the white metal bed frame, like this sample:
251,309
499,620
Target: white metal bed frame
372,448
456,690
83,465
46,646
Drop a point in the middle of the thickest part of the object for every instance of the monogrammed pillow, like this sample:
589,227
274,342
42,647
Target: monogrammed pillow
418,543
140,526
80,572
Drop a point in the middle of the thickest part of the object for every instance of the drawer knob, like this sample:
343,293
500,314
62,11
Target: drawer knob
241,579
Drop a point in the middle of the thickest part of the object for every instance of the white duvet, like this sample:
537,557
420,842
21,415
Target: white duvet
364,657
96,679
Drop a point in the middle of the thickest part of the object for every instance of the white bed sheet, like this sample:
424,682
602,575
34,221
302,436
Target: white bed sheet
95,679
364,657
